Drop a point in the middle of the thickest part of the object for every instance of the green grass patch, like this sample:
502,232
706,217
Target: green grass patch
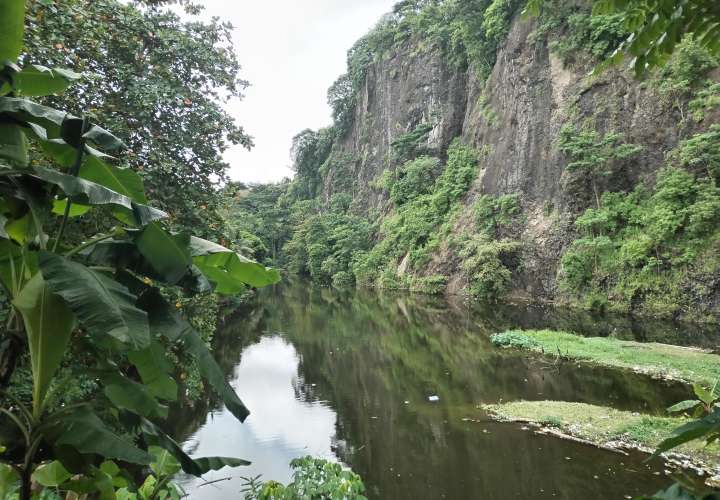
658,360
601,425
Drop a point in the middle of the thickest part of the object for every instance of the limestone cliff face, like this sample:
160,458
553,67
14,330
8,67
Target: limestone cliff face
515,117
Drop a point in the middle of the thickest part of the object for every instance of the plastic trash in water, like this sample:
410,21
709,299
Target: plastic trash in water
433,399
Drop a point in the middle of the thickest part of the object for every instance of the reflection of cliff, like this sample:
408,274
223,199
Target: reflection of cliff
375,358
368,354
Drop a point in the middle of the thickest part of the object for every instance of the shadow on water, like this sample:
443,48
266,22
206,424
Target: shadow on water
347,375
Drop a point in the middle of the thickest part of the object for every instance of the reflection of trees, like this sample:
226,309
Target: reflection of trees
368,353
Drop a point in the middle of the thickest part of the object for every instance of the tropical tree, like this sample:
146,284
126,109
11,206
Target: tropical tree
156,80
100,297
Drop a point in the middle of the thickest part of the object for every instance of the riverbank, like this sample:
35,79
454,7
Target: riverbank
608,428
662,361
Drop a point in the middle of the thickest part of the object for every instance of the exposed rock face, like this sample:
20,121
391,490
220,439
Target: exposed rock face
400,93
515,117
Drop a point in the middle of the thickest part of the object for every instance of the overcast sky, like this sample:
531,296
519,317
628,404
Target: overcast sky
291,52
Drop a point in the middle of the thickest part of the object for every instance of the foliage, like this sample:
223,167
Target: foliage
408,145
423,209
414,179
594,35
594,155
325,245
635,244
310,150
496,20
313,478
706,400
258,219
513,339
488,257
655,28
159,83
99,296
704,100
684,78
488,264
342,99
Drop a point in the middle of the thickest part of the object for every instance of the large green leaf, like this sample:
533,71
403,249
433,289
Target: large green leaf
57,149
23,110
684,405
12,22
51,474
122,254
164,463
86,433
127,394
227,270
166,322
34,80
103,139
13,263
48,324
697,429
155,371
168,254
197,467
124,181
121,180
76,209
103,306
83,191
13,144
9,481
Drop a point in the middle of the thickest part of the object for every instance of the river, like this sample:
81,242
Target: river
347,376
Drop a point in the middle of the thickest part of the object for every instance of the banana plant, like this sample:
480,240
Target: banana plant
100,295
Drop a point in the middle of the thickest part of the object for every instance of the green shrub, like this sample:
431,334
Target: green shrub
422,209
487,259
596,36
415,178
704,100
638,248
496,19
432,285
487,264
407,145
594,155
514,339
313,478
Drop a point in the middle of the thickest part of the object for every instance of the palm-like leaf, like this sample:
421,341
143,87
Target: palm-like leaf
102,305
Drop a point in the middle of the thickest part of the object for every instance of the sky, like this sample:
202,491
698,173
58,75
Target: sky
291,51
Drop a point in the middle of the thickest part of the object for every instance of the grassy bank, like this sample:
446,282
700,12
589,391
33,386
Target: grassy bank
658,360
605,427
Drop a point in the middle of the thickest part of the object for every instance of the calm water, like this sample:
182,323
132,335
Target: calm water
347,376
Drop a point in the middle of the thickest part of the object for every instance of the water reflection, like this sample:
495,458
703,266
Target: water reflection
349,378
281,427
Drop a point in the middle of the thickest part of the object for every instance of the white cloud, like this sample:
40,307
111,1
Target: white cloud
291,52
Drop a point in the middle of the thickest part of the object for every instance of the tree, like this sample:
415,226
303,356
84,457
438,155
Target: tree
594,154
100,296
158,84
